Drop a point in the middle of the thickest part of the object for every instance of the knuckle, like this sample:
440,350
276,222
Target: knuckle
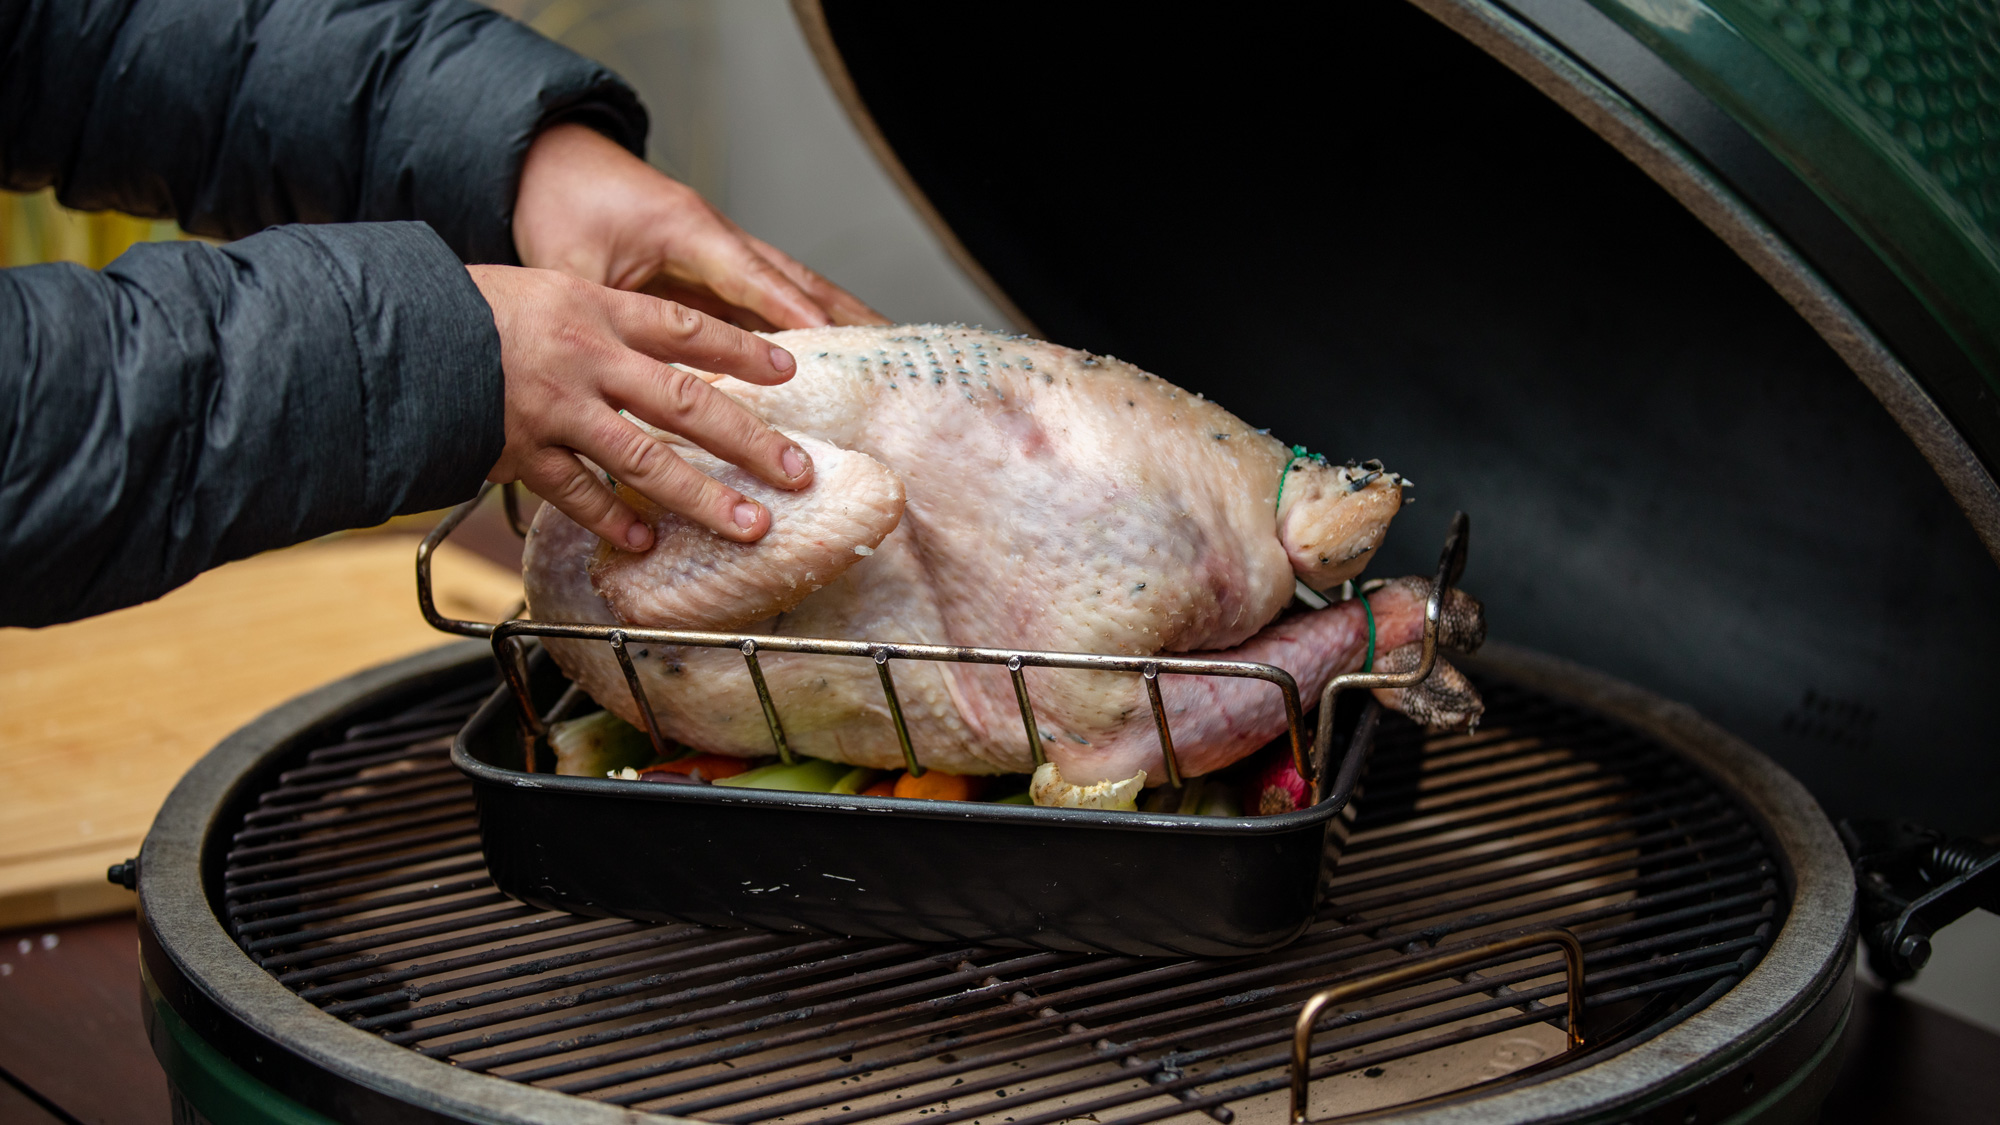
649,458
679,321
575,492
764,269
681,394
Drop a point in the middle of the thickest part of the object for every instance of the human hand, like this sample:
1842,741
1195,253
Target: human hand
575,354
591,209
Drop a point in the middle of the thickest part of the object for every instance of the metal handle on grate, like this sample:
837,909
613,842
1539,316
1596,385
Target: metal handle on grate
1416,970
507,638
1451,564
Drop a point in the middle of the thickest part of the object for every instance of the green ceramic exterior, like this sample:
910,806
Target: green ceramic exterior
207,1082
1890,111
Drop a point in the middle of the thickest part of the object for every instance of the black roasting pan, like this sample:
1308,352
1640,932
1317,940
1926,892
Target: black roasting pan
933,871
1070,879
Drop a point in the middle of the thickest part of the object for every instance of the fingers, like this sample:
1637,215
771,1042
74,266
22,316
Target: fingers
844,307
575,355
650,467
681,402
674,333
592,209
701,300
724,260
557,476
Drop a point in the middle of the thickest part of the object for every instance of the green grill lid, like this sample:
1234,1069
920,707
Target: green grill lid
1876,157
1890,112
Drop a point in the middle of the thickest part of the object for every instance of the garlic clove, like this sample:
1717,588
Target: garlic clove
1049,790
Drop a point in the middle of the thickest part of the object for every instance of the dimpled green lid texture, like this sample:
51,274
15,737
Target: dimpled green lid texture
1889,110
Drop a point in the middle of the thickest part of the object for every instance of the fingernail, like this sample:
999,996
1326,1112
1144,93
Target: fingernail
782,359
794,461
746,515
638,537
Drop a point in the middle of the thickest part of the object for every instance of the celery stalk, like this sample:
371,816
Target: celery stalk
807,775
598,744
855,780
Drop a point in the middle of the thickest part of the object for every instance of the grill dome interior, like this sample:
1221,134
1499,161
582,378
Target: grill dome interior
1358,228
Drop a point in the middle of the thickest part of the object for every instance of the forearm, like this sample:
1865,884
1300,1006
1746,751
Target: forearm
233,116
192,405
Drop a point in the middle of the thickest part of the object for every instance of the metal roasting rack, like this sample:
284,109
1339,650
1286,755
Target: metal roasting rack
510,650
510,640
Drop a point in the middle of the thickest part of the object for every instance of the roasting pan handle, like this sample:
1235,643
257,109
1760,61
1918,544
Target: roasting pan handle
425,600
1411,971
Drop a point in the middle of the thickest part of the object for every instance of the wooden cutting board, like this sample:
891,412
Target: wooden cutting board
99,718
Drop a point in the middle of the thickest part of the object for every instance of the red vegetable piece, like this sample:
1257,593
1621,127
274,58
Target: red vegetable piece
1276,786
712,766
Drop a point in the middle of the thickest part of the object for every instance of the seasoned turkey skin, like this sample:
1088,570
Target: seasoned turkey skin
979,489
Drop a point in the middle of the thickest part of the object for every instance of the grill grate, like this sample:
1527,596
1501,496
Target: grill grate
356,880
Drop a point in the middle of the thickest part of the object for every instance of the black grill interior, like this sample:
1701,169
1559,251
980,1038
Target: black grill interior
1346,222
356,880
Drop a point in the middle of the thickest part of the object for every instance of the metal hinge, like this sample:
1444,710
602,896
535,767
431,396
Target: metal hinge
1914,881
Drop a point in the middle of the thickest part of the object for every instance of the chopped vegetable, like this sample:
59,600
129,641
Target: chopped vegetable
856,780
1276,787
807,775
1050,790
706,767
598,744
668,777
937,785
883,788
1021,798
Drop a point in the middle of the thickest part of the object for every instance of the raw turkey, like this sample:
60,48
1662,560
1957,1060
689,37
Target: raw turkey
979,489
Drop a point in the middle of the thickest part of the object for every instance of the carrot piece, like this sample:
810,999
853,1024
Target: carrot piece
883,788
712,766
936,785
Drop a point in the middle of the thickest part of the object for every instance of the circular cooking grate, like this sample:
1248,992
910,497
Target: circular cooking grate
354,878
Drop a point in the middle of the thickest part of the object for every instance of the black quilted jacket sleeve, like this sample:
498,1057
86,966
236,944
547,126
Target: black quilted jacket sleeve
190,404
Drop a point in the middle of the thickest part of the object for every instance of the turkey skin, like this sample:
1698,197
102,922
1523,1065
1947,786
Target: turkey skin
978,489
